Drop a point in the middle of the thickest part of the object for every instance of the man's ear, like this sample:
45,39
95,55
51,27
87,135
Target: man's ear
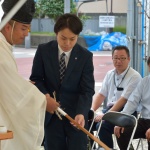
7,27
129,58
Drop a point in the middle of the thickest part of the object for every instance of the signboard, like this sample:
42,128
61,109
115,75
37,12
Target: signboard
106,21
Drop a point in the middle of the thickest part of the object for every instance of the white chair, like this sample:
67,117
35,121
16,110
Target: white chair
119,119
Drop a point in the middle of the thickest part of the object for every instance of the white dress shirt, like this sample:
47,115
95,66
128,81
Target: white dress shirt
67,55
128,80
140,95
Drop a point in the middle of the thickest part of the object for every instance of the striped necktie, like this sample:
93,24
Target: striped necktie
62,66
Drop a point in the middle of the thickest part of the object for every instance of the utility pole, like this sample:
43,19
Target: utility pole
111,13
66,6
134,35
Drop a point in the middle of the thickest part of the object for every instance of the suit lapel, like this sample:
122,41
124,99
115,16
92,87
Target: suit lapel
72,62
55,62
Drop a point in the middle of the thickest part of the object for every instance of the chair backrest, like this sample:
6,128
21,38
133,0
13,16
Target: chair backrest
120,119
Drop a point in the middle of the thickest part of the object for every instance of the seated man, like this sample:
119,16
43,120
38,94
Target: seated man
117,86
140,95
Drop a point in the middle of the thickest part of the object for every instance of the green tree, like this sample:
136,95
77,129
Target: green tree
52,8
83,18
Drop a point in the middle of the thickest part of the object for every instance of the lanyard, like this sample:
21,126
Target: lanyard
120,89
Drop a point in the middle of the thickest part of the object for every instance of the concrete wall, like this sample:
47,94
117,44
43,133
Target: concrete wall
42,25
92,24
36,40
47,25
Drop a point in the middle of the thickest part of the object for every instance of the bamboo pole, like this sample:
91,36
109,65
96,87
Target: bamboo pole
83,129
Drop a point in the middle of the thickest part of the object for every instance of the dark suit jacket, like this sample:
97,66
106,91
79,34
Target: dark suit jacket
77,88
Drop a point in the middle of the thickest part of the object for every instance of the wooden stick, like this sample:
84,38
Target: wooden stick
83,129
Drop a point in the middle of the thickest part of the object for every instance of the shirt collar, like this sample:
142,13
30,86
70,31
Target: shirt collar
123,73
61,51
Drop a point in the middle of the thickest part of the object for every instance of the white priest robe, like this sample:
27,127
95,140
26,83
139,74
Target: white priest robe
22,105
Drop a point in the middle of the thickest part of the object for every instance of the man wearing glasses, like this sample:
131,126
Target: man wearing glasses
139,96
117,86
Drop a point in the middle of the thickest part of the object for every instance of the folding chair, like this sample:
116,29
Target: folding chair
91,116
119,119
140,140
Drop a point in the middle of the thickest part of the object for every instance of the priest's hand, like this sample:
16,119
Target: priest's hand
32,82
52,105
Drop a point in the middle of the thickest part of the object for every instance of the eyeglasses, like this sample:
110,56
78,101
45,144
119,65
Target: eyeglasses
121,58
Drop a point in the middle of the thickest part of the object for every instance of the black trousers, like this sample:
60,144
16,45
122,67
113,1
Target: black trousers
61,135
142,127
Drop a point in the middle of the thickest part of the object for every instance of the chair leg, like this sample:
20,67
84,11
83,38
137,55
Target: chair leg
93,146
97,134
114,142
133,132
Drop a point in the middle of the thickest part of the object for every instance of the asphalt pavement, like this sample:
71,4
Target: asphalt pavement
101,60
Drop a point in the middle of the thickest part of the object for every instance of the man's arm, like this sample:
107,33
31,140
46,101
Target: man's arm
126,93
37,73
97,101
119,104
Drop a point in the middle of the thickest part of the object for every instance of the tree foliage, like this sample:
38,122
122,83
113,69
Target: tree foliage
52,8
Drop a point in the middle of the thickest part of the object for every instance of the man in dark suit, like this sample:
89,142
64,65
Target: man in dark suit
73,83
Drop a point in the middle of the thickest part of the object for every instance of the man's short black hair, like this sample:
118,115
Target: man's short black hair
121,47
70,21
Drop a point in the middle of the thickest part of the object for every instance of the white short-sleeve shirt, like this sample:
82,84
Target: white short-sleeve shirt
140,95
127,81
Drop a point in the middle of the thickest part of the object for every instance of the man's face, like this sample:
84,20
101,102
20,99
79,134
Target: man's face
120,60
66,39
20,31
